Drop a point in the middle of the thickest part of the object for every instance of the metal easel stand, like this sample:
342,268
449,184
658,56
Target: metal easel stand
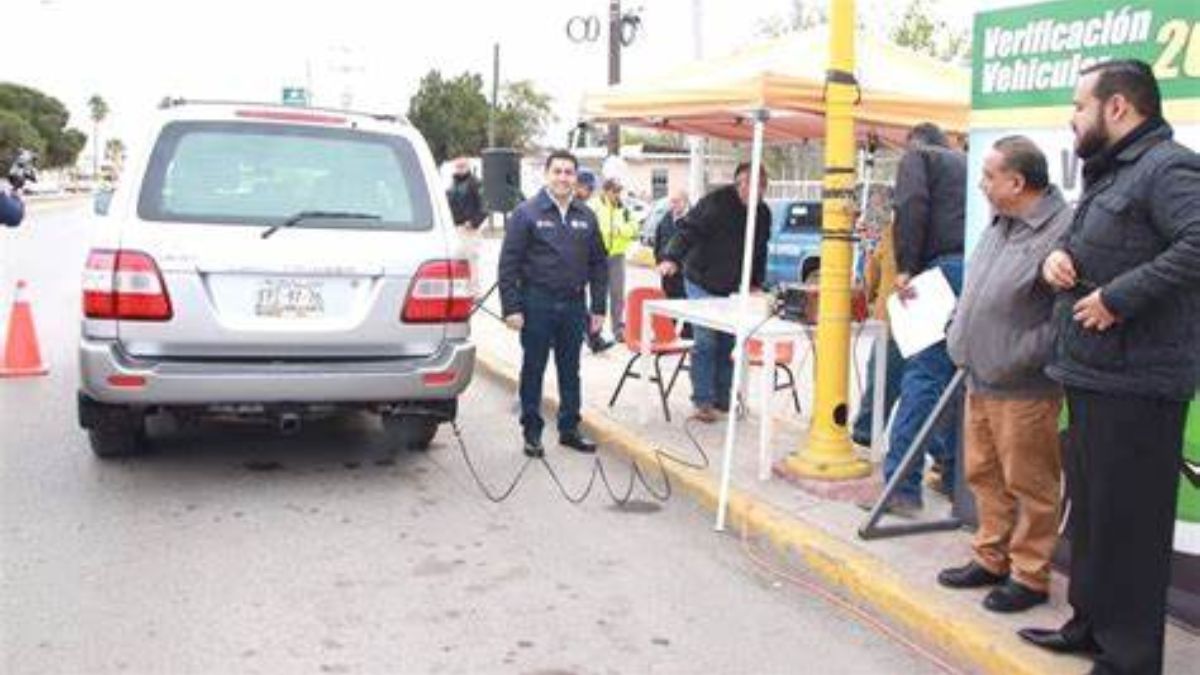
916,453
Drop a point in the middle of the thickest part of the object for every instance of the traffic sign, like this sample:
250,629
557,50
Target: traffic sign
295,96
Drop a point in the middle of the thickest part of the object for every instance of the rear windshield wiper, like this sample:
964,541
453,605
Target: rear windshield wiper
315,215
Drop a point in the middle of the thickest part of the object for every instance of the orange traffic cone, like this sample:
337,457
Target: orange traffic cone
21,355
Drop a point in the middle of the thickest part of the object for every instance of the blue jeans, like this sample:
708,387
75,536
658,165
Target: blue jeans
712,369
926,375
861,432
558,324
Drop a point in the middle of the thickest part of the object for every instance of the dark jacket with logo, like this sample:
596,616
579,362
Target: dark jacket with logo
556,254
931,205
466,203
711,241
1002,332
1136,237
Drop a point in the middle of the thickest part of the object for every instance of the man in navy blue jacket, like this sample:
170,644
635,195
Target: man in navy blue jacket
552,250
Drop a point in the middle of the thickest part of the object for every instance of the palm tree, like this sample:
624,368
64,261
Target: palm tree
99,111
114,153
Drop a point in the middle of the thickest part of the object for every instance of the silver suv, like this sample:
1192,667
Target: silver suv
274,262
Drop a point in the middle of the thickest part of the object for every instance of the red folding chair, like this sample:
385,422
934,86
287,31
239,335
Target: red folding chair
664,341
784,351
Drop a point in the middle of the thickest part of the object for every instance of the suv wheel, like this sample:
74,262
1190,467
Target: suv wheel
410,432
117,442
113,430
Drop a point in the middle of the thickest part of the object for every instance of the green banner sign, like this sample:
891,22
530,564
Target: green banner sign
1032,58
1189,487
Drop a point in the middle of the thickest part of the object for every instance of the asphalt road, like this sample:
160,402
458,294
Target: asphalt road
233,549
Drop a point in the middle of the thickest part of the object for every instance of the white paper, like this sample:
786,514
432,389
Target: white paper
919,322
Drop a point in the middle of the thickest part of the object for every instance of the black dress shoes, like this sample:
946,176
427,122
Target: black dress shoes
598,344
577,441
1013,597
971,575
1059,641
534,448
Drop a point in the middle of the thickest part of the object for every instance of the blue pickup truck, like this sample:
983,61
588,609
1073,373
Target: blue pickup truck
794,250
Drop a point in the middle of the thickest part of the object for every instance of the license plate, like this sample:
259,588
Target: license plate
289,298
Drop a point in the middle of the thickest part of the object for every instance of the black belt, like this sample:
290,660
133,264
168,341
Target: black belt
556,293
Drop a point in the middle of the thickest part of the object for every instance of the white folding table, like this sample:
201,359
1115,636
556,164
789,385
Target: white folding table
728,315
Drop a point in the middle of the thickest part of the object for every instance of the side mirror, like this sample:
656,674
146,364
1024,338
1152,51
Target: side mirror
101,201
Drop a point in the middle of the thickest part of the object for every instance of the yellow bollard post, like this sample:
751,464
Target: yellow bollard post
829,454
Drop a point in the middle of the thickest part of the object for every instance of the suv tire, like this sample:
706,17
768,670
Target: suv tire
410,432
111,443
113,430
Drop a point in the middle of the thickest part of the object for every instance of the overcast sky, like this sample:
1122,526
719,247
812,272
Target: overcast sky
134,52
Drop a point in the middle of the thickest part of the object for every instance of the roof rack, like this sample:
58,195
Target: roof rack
169,102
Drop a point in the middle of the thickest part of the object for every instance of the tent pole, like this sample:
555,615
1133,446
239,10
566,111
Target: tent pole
829,455
744,318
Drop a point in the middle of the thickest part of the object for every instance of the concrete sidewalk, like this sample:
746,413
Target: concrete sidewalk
894,578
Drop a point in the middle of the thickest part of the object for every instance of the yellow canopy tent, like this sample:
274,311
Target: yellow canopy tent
775,91
785,78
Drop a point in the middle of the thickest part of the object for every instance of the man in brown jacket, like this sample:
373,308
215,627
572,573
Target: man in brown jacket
1003,336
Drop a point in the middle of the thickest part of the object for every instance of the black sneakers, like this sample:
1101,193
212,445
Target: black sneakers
598,344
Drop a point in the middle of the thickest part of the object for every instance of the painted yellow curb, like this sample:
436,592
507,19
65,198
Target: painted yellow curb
858,575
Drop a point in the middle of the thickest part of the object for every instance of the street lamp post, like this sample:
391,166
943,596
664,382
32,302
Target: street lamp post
614,68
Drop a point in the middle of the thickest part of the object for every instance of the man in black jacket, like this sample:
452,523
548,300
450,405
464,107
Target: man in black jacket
466,208
710,246
931,183
1127,352
552,250
664,232
12,209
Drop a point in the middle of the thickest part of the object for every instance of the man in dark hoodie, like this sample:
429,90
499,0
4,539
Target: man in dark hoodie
709,247
1127,353
466,207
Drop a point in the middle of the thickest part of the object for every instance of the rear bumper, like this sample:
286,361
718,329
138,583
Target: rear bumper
440,376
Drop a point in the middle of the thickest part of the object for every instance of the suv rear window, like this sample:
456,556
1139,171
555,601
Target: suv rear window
255,173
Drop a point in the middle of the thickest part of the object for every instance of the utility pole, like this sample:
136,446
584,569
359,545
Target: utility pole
346,64
614,68
829,455
696,183
491,143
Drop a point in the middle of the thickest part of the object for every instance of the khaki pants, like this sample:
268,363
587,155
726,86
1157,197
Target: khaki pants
1014,467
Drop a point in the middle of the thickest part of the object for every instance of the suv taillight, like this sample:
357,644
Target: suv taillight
440,293
124,285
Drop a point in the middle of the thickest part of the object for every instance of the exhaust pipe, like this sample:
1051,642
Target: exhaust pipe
289,423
